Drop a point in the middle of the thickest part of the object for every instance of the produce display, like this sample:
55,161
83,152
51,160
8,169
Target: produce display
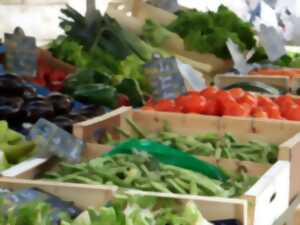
14,148
97,66
200,29
234,102
143,172
209,144
111,58
122,210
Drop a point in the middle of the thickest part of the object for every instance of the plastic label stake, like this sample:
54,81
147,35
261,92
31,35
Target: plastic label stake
21,54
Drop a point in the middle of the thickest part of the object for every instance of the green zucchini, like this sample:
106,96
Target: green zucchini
255,86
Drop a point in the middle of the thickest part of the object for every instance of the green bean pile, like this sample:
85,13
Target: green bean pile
143,172
208,144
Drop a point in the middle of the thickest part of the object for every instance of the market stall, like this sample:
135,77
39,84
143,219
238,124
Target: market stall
150,113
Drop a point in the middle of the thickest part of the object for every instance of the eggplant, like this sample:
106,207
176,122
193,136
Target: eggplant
35,110
64,123
29,99
11,85
91,110
62,103
10,107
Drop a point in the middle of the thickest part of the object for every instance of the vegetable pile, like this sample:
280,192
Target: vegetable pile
14,147
123,210
209,144
234,102
21,104
206,32
114,56
129,210
144,172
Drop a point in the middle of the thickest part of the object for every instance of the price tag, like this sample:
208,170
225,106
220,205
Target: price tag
21,54
272,42
240,61
193,78
165,77
53,140
169,5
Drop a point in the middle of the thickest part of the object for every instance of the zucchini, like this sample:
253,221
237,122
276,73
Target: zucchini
255,86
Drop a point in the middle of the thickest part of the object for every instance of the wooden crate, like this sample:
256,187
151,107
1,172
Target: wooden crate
295,85
97,195
283,133
223,80
23,167
262,204
132,15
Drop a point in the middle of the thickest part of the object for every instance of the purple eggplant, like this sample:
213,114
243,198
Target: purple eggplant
35,110
10,107
62,103
11,85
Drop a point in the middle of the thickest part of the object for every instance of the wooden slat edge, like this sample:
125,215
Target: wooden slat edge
106,116
271,193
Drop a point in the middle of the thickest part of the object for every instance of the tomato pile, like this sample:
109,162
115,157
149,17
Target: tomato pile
234,102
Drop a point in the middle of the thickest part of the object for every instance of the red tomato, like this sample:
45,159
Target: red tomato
225,97
259,113
284,100
293,113
247,107
196,104
297,101
237,92
265,101
249,99
165,105
212,108
235,109
209,92
181,100
273,111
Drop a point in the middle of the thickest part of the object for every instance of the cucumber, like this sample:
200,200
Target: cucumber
255,86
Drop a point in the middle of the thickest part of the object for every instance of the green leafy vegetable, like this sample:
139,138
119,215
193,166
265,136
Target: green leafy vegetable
208,32
133,67
155,33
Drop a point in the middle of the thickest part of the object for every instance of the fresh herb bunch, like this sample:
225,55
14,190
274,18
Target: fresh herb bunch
207,32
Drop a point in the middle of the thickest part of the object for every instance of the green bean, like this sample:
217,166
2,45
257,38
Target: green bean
176,187
123,132
135,128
